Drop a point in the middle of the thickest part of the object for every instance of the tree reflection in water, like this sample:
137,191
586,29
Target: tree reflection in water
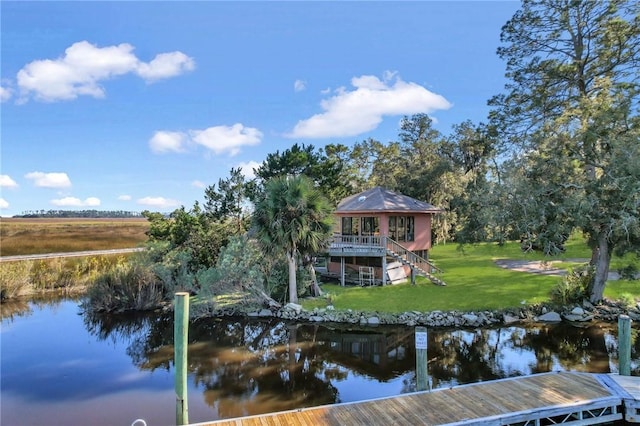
247,366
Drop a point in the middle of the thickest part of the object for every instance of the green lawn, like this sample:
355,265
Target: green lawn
474,282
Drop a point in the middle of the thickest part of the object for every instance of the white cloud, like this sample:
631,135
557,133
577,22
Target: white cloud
3,204
158,202
247,168
5,94
299,85
124,197
350,113
76,202
49,180
221,139
165,65
163,141
84,65
199,184
7,182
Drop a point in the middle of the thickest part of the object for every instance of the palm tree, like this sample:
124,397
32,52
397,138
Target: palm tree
294,218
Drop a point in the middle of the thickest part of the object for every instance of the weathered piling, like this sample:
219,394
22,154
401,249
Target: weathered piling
624,345
180,336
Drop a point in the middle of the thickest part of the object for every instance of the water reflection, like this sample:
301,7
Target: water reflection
10,310
22,307
119,368
245,367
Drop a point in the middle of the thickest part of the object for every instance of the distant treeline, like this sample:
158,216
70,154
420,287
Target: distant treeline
78,213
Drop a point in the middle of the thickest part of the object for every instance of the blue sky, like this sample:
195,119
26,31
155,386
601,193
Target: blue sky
140,105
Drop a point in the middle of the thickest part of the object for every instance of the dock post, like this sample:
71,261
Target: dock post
180,341
422,375
384,269
624,345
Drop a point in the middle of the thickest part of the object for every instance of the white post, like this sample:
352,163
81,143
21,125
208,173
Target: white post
422,375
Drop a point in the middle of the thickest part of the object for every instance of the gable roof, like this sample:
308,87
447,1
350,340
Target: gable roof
380,199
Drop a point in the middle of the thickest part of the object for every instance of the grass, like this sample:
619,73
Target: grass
36,236
29,277
474,282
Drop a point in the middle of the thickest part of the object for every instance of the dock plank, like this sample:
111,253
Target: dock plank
520,398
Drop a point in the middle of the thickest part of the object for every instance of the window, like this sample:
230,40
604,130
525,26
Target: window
402,228
392,228
346,226
410,228
370,226
350,225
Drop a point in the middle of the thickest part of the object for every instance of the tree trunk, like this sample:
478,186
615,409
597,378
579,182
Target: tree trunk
315,288
603,258
293,285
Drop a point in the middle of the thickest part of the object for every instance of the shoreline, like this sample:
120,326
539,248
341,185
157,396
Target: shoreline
607,311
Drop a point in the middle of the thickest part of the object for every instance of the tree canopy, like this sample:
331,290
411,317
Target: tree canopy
569,118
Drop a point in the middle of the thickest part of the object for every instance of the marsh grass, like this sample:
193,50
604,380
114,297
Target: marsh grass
34,276
474,282
36,236
125,287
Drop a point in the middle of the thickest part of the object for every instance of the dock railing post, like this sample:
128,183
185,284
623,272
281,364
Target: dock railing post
422,375
180,341
624,345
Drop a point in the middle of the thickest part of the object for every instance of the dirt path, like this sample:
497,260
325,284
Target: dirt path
542,267
68,254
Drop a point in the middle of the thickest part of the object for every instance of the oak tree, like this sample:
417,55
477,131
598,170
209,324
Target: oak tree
570,116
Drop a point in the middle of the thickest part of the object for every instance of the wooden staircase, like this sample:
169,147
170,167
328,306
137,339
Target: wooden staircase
418,264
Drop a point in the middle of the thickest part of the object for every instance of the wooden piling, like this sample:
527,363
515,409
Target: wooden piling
180,336
624,345
422,375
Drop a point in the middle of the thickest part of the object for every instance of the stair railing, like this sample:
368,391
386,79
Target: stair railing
410,257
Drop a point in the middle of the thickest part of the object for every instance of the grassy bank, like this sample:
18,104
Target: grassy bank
36,236
474,282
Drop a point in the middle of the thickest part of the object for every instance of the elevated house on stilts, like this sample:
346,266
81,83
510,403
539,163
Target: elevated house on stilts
382,237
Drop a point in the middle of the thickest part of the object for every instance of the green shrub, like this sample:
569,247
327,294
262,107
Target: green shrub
627,300
127,286
175,272
629,272
573,287
239,267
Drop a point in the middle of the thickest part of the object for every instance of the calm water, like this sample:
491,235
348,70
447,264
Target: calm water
61,367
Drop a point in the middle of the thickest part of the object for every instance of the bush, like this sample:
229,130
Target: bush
14,279
574,286
175,273
627,300
127,286
239,267
629,272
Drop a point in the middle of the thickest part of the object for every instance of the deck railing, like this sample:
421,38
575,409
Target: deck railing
377,241
374,245
357,240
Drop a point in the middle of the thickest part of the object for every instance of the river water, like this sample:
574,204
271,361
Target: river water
62,367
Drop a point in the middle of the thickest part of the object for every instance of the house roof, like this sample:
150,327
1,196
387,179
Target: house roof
380,199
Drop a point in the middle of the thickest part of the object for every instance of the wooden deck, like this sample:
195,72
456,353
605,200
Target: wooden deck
540,399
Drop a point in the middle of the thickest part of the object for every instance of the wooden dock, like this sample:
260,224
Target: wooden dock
540,399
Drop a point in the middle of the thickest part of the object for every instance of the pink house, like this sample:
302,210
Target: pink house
382,236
